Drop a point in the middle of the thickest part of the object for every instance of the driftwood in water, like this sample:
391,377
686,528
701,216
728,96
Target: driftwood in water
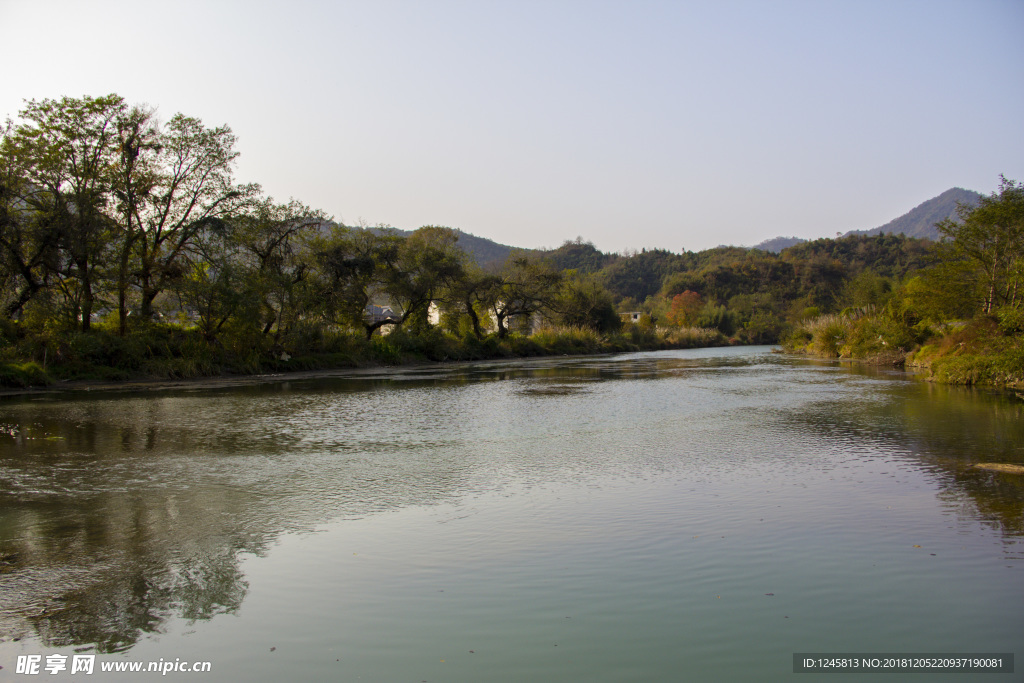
1001,467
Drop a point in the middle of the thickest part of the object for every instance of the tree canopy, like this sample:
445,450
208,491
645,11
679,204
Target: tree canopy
989,241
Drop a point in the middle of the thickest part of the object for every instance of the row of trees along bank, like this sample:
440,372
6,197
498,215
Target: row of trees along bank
127,247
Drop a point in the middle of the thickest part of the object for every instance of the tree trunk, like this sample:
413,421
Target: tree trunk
122,287
25,295
471,312
373,327
149,290
87,303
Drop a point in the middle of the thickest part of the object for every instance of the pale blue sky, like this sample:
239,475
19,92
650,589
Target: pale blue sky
679,125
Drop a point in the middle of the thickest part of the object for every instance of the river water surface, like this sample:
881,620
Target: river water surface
687,515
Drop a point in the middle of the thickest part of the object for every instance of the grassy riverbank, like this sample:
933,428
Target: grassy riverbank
981,352
987,350
173,352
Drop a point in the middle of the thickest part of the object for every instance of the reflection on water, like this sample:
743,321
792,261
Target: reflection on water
120,512
946,429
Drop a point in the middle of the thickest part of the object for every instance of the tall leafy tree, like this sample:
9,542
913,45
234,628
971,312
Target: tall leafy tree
218,283
278,239
135,175
66,148
354,266
525,285
194,185
28,238
990,237
428,267
473,295
583,302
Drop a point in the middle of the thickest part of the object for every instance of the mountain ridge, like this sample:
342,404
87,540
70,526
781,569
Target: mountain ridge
918,222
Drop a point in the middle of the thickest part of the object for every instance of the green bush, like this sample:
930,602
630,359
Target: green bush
23,375
829,333
1011,319
965,369
568,340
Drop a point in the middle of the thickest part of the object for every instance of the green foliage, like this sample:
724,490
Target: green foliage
977,352
524,286
890,256
944,292
989,241
718,317
427,264
568,340
829,333
641,275
1011,319
23,375
763,327
866,289
108,202
582,257
584,303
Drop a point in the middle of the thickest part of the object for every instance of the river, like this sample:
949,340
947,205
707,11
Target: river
692,515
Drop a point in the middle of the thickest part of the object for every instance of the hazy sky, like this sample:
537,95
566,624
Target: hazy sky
680,125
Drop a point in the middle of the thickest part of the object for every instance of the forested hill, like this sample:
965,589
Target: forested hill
920,221
483,251
777,244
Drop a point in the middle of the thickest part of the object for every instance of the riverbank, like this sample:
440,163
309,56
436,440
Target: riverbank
142,384
170,357
982,351
978,353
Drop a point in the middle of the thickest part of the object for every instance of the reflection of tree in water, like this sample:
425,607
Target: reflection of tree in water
947,429
104,534
115,612
119,515
109,568
997,497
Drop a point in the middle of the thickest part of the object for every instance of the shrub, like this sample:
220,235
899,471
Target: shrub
829,333
1011,319
693,337
23,375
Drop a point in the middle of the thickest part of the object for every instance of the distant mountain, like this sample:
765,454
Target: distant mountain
582,256
920,221
777,244
482,250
